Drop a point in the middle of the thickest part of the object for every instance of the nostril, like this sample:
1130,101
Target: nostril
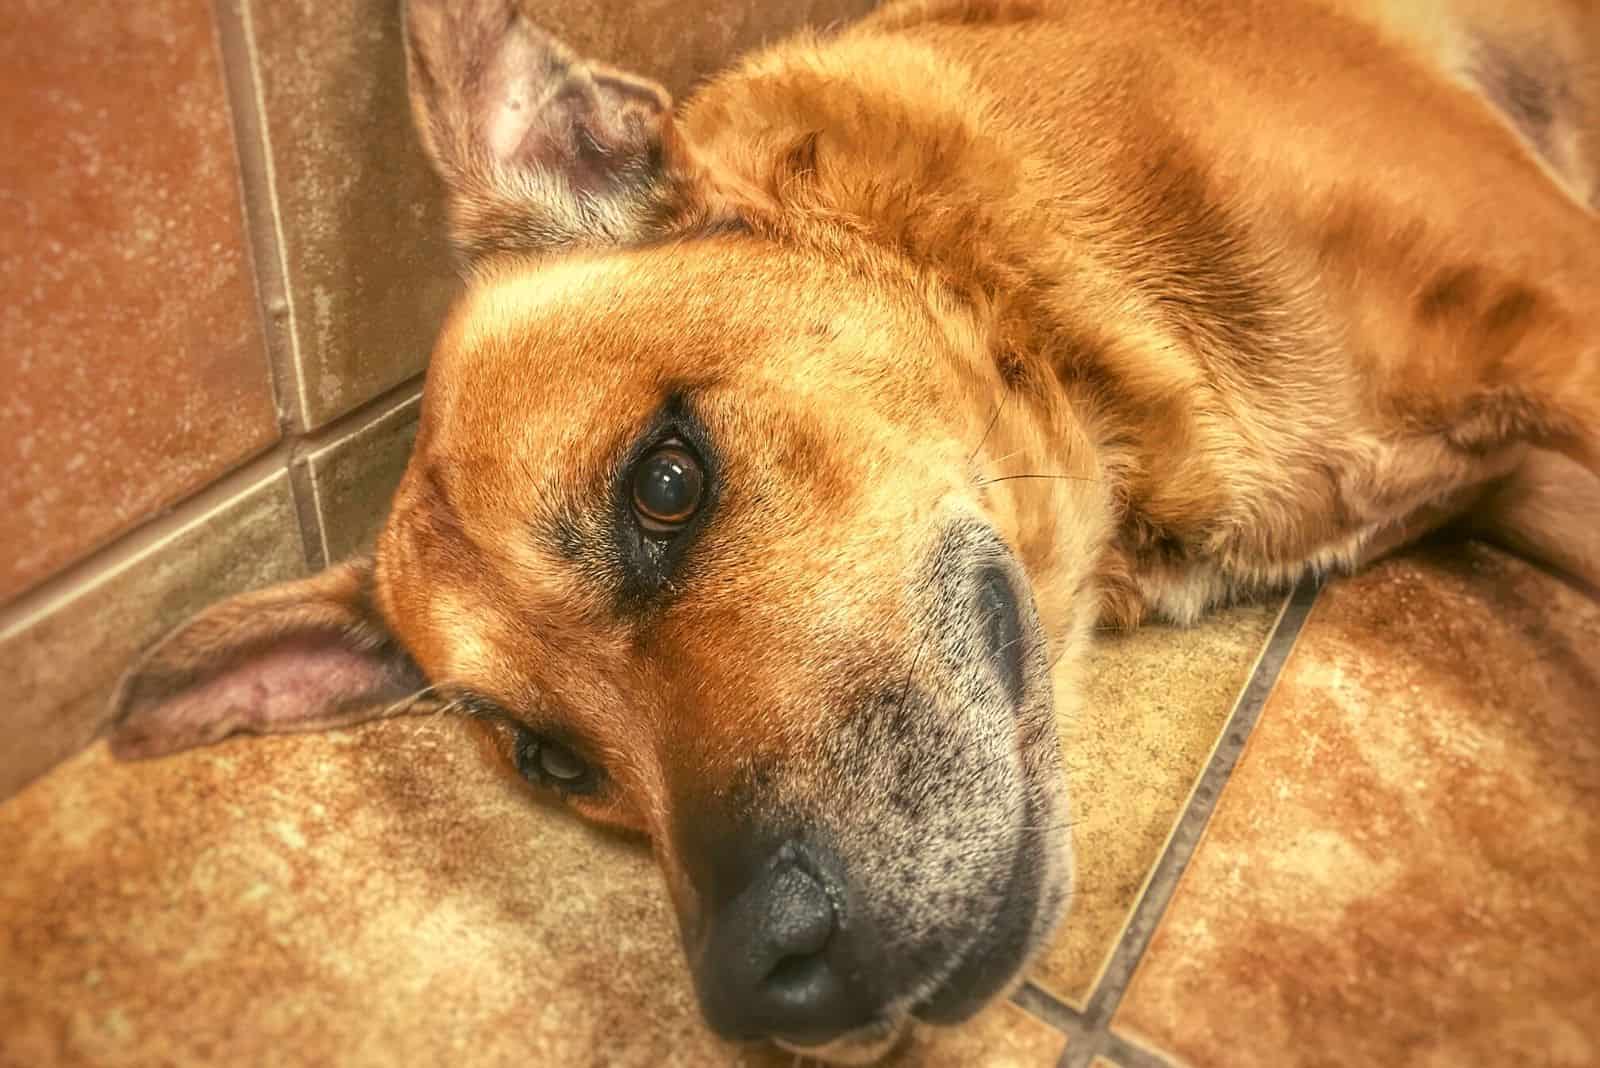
797,974
770,966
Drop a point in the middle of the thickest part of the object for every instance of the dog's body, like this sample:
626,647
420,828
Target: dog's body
862,390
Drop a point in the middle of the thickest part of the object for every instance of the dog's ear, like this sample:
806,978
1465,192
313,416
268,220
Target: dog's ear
538,149
300,656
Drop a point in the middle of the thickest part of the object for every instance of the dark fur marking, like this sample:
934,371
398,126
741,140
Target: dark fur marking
961,13
1451,292
1199,267
1512,311
568,538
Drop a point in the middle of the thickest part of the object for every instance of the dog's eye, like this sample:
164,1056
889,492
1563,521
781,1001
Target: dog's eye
668,484
549,763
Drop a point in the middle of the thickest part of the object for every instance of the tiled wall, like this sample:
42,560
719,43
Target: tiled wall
220,275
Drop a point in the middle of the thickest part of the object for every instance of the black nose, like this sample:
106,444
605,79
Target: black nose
776,963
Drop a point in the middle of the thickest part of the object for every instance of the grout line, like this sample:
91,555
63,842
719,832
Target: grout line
1083,1048
1185,837
372,411
308,511
57,590
1127,1054
303,483
61,588
1036,1001
258,190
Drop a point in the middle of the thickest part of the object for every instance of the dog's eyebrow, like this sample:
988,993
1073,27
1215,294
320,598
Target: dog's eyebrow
473,705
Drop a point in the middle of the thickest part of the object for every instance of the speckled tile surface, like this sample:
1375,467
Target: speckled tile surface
1153,703
1405,866
368,273
380,896
133,370
62,663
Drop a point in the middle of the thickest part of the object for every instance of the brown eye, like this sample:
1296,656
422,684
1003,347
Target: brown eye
545,762
668,484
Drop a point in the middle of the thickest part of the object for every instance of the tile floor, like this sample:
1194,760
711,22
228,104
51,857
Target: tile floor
1359,828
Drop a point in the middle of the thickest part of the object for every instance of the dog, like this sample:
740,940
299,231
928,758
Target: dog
783,445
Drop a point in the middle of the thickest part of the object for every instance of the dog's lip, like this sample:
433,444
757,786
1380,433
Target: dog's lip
1006,934
864,1045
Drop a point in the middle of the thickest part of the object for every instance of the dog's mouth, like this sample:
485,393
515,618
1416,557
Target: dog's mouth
917,889
865,1045
990,963
996,956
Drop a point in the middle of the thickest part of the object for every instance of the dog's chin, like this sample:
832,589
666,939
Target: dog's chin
866,1045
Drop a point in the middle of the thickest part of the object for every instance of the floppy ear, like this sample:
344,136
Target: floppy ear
300,656
538,149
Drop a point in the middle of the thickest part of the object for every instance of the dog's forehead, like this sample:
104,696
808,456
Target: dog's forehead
711,307
547,375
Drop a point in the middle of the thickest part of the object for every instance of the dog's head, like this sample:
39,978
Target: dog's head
710,523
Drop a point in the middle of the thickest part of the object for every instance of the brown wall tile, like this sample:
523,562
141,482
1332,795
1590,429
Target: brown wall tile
354,477
130,350
369,275
1405,865
63,662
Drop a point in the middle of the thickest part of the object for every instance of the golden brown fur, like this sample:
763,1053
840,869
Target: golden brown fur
1146,304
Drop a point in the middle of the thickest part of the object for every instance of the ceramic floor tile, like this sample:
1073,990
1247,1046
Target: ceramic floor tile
62,663
133,370
1405,866
385,895
1154,701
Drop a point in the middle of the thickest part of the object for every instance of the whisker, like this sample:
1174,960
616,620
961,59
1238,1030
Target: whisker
905,691
927,636
407,701
993,419
1002,459
1000,649
1058,478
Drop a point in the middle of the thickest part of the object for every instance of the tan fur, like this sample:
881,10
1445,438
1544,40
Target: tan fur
1179,299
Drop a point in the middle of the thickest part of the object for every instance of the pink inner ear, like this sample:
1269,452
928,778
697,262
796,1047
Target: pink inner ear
511,97
296,685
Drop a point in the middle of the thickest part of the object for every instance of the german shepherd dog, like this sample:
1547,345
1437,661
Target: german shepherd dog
782,444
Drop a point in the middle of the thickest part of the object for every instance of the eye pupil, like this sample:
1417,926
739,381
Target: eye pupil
667,487
560,763
541,760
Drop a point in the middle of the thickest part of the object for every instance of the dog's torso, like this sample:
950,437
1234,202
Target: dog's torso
1283,307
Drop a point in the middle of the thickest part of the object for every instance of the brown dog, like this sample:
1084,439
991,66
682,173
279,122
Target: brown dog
780,446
